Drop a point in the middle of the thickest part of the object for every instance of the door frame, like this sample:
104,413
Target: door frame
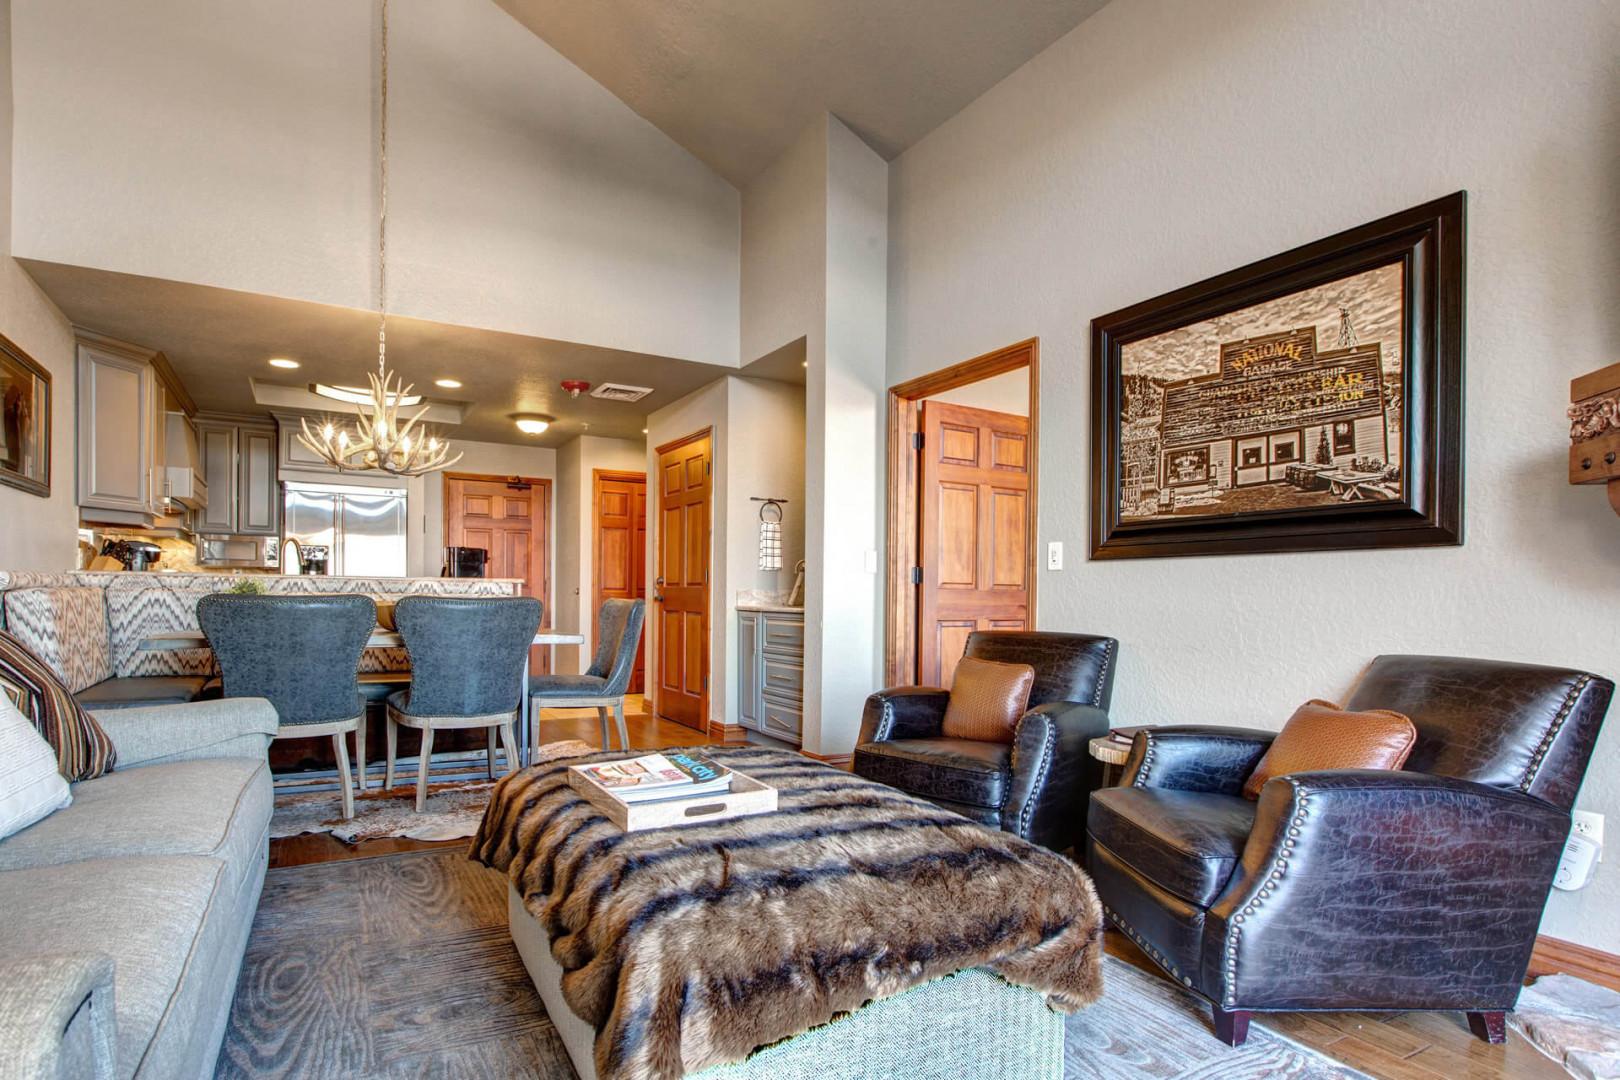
655,526
623,476
541,483
901,596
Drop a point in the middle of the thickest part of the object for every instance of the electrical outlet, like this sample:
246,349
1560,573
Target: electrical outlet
1054,555
1589,825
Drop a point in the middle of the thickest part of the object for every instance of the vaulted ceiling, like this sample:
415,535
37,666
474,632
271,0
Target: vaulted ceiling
733,81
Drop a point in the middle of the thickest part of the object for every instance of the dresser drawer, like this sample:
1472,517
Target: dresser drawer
783,633
779,718
785,678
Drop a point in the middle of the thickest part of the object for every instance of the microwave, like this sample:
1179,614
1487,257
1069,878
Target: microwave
263,552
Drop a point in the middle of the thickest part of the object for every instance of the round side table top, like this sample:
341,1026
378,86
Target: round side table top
1109,752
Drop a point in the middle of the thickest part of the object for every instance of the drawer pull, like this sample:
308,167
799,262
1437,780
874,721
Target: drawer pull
705,809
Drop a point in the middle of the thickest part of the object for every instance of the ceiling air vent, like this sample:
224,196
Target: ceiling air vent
620,392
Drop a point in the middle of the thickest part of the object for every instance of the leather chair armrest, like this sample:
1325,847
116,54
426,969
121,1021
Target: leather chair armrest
1216,760
1053,773
1372,889
903,712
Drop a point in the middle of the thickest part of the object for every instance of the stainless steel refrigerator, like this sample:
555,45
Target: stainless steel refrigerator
362,528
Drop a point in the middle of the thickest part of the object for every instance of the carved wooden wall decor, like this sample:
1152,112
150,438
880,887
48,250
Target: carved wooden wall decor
1594,430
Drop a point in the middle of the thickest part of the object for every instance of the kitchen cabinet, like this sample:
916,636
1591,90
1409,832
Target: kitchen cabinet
217,444
124,397
239,466
258,509
770,671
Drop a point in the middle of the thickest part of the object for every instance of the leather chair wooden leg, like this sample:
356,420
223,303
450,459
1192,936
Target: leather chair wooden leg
340,743
1232,1028
422,769
1489,1026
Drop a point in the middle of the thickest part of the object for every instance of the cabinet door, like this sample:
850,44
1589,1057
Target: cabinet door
158,474
748,670
258,509
219,473
115,431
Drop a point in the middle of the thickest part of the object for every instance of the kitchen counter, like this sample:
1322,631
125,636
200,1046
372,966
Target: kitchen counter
760,605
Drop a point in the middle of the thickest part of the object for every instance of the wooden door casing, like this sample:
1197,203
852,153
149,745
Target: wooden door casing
619,546
681,590
507,516
974,522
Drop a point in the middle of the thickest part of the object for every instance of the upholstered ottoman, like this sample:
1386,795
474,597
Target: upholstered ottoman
854,932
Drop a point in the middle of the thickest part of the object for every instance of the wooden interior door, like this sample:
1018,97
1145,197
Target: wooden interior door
619,564
974,544
681,590
505,516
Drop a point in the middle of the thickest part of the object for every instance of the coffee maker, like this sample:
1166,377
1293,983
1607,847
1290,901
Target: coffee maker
465,561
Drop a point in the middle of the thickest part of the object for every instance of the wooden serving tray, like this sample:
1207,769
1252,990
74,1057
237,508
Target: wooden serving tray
747,796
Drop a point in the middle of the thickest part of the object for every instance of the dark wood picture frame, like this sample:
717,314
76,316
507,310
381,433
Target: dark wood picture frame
12,354
1428,243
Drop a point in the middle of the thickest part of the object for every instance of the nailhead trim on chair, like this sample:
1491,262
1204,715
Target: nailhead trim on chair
1141,943
1279,866
1047,754
1143,770
1547,740
1102,676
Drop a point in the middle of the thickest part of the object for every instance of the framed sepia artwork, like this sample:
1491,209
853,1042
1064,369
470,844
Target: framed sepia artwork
25,421
1311,401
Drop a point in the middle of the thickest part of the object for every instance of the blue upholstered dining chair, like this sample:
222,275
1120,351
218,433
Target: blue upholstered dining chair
303,654
607,680
467,658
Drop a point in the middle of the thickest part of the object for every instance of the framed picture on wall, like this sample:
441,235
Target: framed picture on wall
25,421
1310,401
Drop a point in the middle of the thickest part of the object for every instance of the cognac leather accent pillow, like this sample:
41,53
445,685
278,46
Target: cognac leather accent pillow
988,698
1320,735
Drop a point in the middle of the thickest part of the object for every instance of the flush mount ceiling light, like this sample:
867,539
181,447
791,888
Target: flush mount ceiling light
532,423
283,362
448,384
379,440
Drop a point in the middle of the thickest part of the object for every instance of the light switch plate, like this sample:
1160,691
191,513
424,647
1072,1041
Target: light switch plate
1054,555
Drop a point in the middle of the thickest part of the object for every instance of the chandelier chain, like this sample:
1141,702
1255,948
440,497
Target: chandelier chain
382,200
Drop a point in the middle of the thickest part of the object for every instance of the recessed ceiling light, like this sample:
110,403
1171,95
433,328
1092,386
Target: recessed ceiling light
532,423
448,384
283,362
644,431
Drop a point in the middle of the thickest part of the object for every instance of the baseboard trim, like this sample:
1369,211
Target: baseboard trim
722,732
1554,955
842,761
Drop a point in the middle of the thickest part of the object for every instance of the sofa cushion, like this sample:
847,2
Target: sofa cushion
1186,842
209,806
143,690
951,770
152,916
66,628
30,786
83,750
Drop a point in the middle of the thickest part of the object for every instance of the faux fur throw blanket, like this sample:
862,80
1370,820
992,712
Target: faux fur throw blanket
692,946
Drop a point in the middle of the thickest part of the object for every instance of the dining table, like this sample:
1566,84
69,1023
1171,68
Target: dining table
384,638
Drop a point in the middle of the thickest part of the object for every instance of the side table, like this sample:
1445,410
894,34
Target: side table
1113,753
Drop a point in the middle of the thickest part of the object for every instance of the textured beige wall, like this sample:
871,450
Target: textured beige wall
35,533
1162,142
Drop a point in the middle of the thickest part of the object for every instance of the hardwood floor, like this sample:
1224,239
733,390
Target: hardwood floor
646,732
1394,1046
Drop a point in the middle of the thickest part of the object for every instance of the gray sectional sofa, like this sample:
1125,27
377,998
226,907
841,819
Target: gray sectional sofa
126,914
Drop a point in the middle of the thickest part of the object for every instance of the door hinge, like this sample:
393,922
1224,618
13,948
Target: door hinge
705,682
916,440
708,467
916,575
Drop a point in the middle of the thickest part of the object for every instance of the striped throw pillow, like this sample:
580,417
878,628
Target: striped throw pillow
83,750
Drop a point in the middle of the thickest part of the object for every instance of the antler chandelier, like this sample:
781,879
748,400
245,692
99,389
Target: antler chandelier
379,441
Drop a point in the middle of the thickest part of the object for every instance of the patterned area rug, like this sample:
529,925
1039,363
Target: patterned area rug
453,809
402,966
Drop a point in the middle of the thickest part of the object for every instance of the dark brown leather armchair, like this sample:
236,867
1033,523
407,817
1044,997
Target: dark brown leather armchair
1355,889
1036,787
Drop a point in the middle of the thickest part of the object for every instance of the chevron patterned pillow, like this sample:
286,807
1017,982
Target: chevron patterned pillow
83,750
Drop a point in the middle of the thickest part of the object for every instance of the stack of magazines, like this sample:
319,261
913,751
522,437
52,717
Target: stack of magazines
655,777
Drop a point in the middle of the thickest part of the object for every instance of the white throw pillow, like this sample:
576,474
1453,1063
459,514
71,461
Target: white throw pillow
30,786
